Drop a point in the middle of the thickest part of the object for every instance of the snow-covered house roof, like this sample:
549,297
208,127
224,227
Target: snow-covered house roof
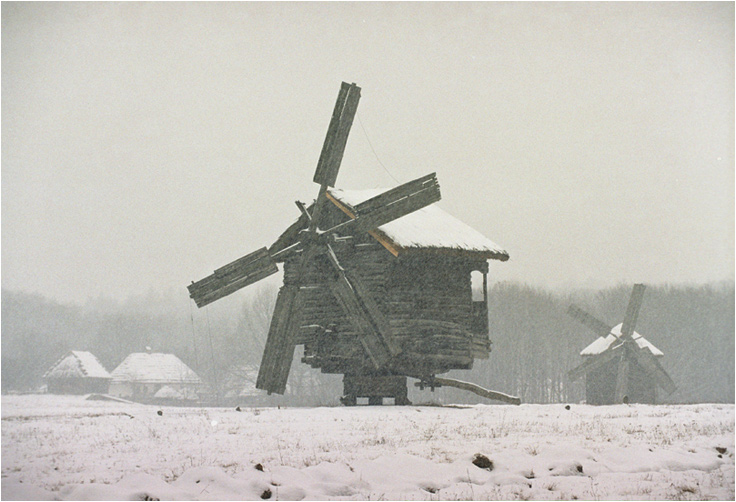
430,227
77,364
602,344
154,368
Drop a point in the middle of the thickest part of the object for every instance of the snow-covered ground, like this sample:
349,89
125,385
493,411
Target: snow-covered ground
69,448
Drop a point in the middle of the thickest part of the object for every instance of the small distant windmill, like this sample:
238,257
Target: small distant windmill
621,366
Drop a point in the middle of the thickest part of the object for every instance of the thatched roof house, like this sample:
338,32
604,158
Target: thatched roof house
77,372
141,375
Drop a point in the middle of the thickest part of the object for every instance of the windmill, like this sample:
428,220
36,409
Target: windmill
621,365
338,295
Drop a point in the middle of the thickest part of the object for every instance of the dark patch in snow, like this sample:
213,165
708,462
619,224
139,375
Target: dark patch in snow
160,413
258,467
579,467
721,449
567,406
266,494
237,408
482,462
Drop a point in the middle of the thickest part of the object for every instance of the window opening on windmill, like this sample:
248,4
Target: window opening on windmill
477,284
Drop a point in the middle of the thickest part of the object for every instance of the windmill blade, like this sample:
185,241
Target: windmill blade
234,276
394,194
599,327
654,369
392,204
280,344
594,362
632,311
337,135
278,353
374,330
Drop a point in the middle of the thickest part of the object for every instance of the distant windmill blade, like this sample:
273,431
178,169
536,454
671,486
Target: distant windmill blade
598,327
278,353
593,362
337,135
226,280
654,369
632,311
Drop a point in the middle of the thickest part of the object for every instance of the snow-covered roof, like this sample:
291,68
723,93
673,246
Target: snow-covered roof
154,368
602,344
430,227
77,364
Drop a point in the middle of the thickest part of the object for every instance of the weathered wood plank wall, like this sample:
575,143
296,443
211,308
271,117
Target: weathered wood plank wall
426,297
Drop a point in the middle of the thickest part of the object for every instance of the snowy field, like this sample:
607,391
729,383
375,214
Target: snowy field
57,447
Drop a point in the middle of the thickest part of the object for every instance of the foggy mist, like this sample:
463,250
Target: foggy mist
146,144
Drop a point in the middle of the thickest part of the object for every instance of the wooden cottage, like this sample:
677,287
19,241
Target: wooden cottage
154,376
419,270
77,372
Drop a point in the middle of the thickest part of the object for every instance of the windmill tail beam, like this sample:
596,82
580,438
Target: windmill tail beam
470,387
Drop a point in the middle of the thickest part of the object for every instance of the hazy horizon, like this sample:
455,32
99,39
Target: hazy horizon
146,144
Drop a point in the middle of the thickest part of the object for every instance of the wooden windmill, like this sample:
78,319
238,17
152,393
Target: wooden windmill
621,366
356,294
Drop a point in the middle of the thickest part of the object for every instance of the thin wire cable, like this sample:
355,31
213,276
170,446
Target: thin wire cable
374,150
212,352
194,338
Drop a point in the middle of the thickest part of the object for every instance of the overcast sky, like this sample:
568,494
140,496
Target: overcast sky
146,144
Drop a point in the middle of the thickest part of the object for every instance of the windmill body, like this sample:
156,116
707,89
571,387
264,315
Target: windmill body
620,366
417,270
377,284
600,383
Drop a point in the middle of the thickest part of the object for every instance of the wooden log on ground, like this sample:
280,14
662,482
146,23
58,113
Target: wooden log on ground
471,387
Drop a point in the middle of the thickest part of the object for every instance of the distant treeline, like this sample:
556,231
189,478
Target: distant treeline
535,342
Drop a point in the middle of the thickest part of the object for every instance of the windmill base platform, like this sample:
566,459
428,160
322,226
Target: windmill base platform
375,388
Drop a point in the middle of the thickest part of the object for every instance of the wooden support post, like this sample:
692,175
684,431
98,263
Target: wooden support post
622,378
